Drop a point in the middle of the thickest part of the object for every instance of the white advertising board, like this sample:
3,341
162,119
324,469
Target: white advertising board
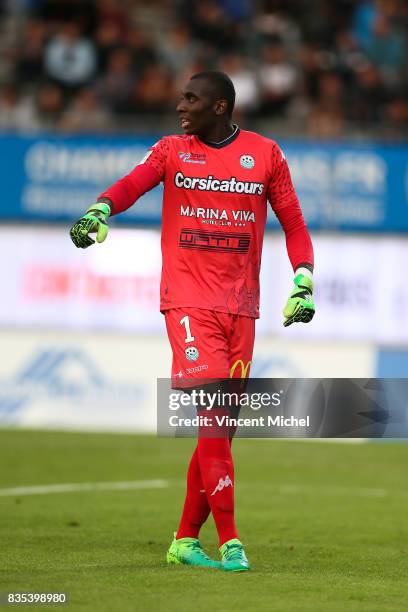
48,282
361,291
107,382
81,381
360,287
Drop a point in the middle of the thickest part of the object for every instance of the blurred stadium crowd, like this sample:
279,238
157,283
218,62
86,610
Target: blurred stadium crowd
321,68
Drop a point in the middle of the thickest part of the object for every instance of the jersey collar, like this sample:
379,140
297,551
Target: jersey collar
226,141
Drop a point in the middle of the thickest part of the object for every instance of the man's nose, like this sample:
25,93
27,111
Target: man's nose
181,107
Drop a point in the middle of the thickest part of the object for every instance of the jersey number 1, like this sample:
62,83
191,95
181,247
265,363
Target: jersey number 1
186,322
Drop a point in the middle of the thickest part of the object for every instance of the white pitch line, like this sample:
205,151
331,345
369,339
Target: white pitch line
85,486
330,490
325,491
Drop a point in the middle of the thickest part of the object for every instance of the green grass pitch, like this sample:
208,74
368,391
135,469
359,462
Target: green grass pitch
325,525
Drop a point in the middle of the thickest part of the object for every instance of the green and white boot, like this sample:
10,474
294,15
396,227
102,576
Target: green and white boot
233,557
188,551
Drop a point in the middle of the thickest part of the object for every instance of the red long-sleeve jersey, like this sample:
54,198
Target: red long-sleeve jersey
214,214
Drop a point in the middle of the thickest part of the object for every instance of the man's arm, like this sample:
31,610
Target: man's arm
127,190
284,202
120,196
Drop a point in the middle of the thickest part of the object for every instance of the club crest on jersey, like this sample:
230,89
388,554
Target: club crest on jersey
247,162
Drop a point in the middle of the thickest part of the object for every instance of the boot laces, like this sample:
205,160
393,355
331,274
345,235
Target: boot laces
197,547
234,551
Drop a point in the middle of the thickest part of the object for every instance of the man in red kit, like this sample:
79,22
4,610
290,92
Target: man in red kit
217,181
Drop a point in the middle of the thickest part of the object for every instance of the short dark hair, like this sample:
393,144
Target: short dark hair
221,84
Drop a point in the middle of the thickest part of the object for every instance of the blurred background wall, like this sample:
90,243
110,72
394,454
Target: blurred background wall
87,86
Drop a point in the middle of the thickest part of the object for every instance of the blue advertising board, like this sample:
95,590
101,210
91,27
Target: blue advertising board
351,187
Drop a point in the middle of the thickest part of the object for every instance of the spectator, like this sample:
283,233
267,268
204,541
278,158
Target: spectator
386,47
52,12
69,59
272,25
297,45
197,64
107,39
114,88
177,47
16,112
367,96
143,52
396,117
245,82
278,78
84,114
154,93
347,52
29,59
237,10
325,123
331,89
327,117
113,12
364,17
321,20
49,105
211,24
310,65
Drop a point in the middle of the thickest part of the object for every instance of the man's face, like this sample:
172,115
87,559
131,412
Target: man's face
199,110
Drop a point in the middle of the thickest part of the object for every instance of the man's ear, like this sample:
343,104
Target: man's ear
221,107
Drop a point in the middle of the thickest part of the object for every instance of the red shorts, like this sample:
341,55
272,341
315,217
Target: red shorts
209,344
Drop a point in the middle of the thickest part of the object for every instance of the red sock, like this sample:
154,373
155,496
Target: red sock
217,472
196,508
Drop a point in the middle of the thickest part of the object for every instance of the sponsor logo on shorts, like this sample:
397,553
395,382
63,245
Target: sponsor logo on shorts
196,369
243,367
221,242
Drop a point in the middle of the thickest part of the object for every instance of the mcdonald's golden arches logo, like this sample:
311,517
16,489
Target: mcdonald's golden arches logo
244,368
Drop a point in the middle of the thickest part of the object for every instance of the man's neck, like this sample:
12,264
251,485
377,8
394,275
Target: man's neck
219,133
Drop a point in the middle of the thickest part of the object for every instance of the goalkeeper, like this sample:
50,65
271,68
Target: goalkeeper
217,180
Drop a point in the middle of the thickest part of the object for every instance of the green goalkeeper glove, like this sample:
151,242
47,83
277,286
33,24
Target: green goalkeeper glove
300,306
94,220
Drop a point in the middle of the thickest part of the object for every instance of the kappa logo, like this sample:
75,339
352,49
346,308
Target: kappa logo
192,158
222,483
